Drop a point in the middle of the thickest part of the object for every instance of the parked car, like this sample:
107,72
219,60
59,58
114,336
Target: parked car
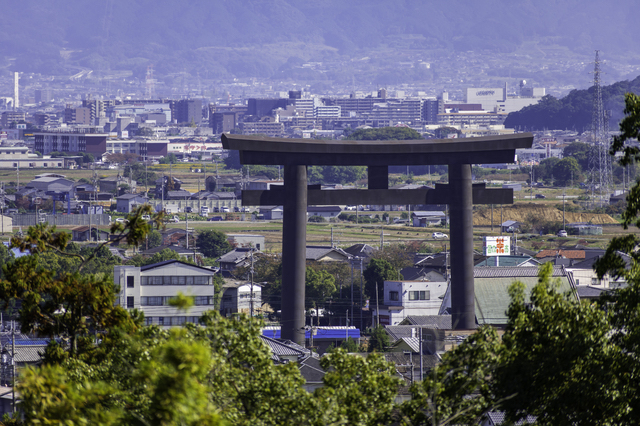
245,210
562,233
215,219
188,209
224,209
236,209
146,217
204,210
174,219
121,220
540,196
439,236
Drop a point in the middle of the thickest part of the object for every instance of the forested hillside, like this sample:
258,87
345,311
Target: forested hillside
574,111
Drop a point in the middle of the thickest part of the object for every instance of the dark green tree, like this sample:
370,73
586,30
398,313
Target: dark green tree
566,171
376,273
213,243
379,340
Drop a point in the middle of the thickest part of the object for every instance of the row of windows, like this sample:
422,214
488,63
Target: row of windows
164,300
170,321
420,295
177,280
413,295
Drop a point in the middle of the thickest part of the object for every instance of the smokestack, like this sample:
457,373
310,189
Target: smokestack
16,95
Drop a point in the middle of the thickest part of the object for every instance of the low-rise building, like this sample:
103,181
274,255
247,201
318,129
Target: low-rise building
150,288
410,298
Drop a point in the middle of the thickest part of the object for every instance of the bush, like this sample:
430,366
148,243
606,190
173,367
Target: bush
317,219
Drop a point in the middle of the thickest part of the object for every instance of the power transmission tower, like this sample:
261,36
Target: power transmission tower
599,159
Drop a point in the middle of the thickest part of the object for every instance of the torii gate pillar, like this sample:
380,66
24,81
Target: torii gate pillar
294,238
462,300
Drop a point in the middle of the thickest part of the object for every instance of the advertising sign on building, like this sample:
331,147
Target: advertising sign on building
497,246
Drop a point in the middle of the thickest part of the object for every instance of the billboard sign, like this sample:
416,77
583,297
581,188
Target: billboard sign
497,246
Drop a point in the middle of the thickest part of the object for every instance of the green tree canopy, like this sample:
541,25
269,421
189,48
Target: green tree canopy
384,134
566,171
376,273
213,243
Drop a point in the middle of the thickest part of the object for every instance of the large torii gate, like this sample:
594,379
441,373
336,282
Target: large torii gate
296,154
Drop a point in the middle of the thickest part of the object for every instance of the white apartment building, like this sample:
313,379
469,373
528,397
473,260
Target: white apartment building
149,289
410,298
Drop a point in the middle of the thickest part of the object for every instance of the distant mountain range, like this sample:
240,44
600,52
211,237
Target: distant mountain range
262,38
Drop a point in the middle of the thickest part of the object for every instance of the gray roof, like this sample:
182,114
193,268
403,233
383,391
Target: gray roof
524,271
497,418
318,252
283,348
399,358
588,292
324,209
311,370
438,322
236,255
29,353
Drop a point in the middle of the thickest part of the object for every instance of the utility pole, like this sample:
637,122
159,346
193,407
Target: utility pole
361,288
377,307
251,294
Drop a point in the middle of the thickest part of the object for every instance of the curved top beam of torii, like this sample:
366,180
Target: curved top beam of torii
312,152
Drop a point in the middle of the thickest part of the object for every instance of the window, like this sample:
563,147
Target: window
160,320
393,295
130,281
419,295
203,300
148,320
595,281
130,301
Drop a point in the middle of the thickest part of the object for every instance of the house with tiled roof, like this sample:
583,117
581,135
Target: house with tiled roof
566,254
326,254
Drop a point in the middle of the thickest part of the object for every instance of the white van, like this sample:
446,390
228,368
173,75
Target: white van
204,210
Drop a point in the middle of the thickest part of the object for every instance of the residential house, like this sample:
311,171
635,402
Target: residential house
584,275
149,289
364,251
86,233
238,257
237,297
326,254
410,298
126,203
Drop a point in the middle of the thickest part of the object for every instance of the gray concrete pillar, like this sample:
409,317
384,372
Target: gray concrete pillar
462,290
294,241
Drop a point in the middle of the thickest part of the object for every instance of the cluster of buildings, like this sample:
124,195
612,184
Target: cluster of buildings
152,128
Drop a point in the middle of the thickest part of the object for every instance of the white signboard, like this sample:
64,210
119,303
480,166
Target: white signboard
497,246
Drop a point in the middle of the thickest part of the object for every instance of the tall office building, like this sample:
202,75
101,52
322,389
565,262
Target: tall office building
187,111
